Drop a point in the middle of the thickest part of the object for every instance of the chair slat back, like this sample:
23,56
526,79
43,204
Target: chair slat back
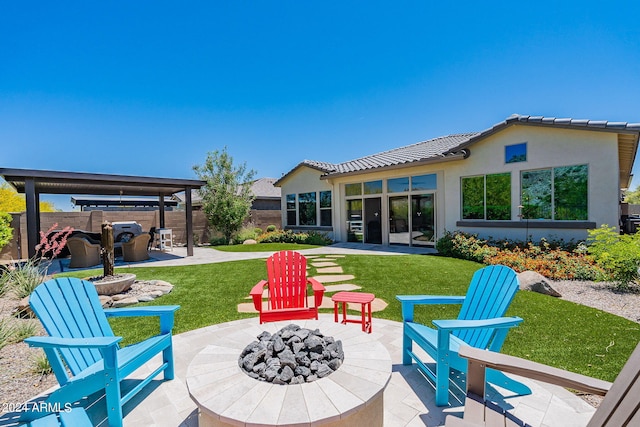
287,274
491,291
70,308
621,405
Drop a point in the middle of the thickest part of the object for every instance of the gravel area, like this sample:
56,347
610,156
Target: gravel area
18,382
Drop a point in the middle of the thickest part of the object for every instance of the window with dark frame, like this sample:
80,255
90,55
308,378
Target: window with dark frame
291,209
325,209
487,197
559,194
307,209
515,153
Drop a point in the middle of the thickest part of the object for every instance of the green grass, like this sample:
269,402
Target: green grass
554,332
264,247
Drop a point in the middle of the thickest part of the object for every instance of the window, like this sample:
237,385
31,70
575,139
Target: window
325,208
353,189
559,194
291,209
515,153
487,197
398,185
424,182
307,209
373,187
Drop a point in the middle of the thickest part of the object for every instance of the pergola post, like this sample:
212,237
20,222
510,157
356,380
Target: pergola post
189,220
33,216
161,209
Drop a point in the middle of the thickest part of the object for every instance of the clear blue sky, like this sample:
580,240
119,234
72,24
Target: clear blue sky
149,87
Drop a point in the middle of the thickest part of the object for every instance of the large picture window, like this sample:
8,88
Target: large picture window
307,209
487,197
559,194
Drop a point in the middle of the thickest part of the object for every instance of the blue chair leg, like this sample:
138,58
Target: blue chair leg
406,348
442,369
167,357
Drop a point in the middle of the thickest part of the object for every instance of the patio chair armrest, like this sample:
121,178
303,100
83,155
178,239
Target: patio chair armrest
497,322
410,301
56,342
256,294
534,370
165,312
318,290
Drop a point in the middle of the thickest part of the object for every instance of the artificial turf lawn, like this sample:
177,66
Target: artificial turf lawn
554,332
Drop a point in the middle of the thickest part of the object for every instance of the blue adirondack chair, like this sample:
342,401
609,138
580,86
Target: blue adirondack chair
76,417
480,324
81,342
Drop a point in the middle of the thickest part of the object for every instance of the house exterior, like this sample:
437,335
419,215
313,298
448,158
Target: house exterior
526,177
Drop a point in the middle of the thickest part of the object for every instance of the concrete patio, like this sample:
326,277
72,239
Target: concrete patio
408,398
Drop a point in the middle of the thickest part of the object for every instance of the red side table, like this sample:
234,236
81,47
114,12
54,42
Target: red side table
357,298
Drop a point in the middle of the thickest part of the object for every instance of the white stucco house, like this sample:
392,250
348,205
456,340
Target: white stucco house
526,177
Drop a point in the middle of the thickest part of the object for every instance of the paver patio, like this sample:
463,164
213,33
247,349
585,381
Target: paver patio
408,398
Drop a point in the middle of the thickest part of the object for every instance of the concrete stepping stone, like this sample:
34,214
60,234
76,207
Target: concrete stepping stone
330,270
324,264
341,287
334,278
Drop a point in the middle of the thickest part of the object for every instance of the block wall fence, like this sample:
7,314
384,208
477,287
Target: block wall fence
91,221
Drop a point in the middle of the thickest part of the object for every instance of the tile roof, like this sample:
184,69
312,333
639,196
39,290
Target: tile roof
449,146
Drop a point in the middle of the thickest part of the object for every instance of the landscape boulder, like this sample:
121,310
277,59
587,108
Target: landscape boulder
536,282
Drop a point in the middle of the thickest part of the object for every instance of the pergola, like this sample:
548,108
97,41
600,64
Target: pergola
33,183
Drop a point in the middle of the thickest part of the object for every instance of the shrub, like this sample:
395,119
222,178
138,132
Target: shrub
218,241
21,280
247,233
41,365
271,228
618,255
546,258
6,332
288,236
24,329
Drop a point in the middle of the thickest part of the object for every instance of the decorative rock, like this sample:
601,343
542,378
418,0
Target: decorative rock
125,302
536,282
292,355
106,301
249,242
146,298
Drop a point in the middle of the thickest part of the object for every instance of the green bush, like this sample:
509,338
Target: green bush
271,228
246,234
618,255
218,241
288,236
546,258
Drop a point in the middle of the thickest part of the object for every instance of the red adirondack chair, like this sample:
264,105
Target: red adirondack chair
287,289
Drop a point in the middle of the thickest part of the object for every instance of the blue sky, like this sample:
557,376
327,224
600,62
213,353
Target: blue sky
149,87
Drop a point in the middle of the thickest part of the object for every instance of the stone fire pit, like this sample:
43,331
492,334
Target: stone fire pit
351,395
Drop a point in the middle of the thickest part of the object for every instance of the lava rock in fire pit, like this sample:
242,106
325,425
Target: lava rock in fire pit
293,355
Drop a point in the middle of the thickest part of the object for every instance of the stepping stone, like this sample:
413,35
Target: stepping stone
330,270
332,260
342,287
324,264
334,278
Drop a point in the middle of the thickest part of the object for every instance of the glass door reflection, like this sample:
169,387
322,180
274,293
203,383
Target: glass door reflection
399,220
422,220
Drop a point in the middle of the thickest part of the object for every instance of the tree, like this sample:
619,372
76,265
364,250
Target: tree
633,197
11,201
227,197
6,232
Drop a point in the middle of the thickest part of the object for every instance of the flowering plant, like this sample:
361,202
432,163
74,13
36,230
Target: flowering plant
51,245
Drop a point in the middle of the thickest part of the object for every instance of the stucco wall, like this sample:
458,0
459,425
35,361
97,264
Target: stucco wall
546,147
